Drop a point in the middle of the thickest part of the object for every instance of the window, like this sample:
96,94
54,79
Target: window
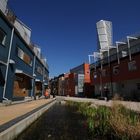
124,53
46,76
24,56
104,73
2,37
39,70
132,66
2,80
95,75
20,53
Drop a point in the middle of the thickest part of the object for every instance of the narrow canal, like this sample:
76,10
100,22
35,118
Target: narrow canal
60,122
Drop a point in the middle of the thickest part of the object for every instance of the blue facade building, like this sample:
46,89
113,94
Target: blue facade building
23,71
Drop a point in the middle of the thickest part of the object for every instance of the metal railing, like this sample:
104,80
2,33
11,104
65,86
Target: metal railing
113,57
38,54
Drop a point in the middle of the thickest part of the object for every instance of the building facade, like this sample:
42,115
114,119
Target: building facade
81,76
120,77
23,73
76,83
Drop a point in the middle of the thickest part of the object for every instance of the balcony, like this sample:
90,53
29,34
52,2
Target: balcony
123,52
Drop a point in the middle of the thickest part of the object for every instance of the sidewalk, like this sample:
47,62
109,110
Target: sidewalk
8,113
128,104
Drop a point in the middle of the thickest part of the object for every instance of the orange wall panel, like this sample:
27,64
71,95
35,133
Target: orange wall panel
87,73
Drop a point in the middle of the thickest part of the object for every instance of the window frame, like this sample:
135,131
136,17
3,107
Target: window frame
39,70
22,57
132,66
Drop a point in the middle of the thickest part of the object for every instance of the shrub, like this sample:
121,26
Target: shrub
125,123
116,122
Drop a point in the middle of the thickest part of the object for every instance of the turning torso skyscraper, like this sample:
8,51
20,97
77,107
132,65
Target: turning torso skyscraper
104,34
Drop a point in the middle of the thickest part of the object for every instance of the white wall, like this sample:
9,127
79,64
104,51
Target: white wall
24,31
3,5
104,32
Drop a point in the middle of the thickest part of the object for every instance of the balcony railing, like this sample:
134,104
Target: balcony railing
113,57
36,49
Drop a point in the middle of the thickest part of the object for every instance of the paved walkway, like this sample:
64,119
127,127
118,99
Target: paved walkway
8,113
128,104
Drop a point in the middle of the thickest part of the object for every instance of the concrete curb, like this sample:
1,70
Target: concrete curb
8,103
12,132
135,106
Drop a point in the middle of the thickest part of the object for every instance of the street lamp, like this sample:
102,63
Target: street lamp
96,55
99,55
129,49
117,47
108,50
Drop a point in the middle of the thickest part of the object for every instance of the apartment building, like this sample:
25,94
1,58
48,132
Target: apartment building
23,71
76,83
81,75
119,71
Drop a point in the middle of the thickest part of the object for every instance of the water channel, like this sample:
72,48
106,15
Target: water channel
60,122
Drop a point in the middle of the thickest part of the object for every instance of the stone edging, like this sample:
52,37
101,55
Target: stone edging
22,122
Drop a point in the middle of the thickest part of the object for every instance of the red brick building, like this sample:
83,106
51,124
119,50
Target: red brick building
80,81
74,83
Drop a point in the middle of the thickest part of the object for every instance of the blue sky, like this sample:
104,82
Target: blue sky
66,29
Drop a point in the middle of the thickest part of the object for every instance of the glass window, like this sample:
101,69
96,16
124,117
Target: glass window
104,73
124,53
132,66
24,56
46,77
39,70
2,37
2,80
20,53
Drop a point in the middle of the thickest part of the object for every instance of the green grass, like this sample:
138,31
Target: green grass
117,121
